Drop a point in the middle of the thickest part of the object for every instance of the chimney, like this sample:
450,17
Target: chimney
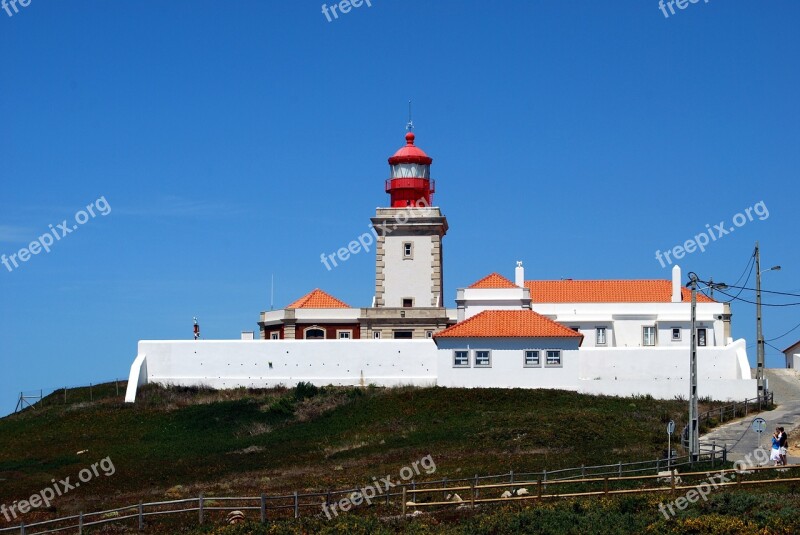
676,285
519,275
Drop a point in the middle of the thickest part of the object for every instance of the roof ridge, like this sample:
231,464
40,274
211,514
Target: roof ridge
493,278
319,294
505,319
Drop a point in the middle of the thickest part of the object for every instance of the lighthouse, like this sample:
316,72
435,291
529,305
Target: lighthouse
408,263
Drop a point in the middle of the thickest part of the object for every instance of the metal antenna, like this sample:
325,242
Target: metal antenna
410,125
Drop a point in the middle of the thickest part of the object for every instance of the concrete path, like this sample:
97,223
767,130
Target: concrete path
739,437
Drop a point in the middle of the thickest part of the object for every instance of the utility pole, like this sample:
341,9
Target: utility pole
762,387
759,333
694,429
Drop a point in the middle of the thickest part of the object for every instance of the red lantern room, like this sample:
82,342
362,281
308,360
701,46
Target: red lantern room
410,183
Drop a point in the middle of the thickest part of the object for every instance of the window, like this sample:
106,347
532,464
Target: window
532,359
601,336
676,334
274,336
408,250
376,335
648,336
403,335
483,358
576,329
554,358
701,337
344,335
461,359
408,302
428,334
314,333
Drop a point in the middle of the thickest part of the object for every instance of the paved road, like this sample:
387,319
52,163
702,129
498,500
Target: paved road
740,438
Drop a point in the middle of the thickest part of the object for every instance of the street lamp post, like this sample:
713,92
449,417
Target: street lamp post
759,328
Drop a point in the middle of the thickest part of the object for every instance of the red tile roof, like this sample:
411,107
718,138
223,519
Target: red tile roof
508,324
494,280
318,299
607,291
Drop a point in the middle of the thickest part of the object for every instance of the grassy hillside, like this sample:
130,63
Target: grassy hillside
180,442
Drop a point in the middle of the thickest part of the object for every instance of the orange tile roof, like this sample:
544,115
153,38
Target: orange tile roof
494,280
318,299
508,324
607,291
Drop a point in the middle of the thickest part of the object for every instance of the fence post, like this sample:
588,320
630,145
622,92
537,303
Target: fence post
472,495
264,508
620,468
444,486
713,453
404,500
80,524
22,528
511,476
724,453
200,509
539,487
583,470
296,505
141,516
476,485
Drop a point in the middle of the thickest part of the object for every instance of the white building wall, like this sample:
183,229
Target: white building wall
723,372
408,277
268,363
626,320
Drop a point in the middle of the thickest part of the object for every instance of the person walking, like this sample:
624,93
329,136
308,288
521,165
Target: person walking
775,452
783,445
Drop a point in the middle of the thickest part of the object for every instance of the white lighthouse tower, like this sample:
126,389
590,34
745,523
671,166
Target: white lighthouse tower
408,265
409,273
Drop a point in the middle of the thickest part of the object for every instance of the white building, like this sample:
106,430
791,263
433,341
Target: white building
792,354
616,337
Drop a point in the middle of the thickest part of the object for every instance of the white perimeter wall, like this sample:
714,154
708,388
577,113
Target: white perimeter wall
723,372
267,363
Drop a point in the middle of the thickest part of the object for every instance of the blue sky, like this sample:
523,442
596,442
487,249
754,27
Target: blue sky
240,140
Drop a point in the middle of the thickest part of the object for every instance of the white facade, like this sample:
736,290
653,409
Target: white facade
792,355
723,372
408,276
268,363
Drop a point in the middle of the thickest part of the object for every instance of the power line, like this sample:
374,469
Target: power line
762,304
751,264
764,291
784,334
